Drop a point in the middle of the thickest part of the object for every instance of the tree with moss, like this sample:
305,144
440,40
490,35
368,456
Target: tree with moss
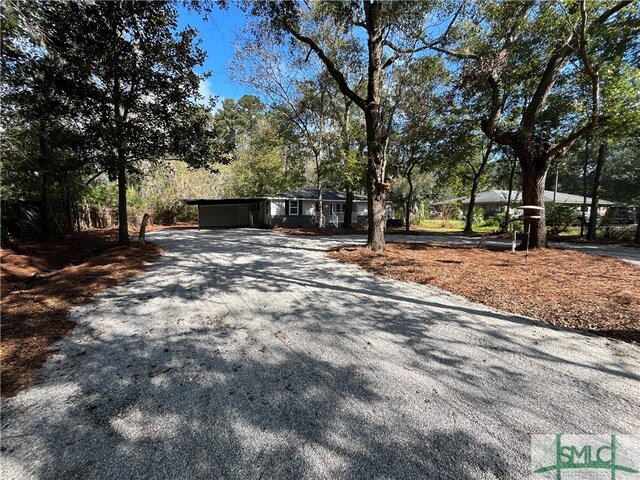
135,87
550,73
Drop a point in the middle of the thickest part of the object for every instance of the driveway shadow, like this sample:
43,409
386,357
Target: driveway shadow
249,354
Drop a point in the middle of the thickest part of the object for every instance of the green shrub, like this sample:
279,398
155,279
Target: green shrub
495,220
478,216
613,231
168,211
559,217
395,222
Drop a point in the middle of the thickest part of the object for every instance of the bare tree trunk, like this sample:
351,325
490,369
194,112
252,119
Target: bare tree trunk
348,209
321,222
602,155
319,185
507,213
76,210
583,209
636,240
534,175
468,228
143,227
69,207
376,215
407,210
376,135
53,217
123,227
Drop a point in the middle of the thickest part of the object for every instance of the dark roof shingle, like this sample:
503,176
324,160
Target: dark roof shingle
312,194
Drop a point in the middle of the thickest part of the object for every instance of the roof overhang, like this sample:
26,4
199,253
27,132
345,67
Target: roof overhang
223,201
248,201
328,200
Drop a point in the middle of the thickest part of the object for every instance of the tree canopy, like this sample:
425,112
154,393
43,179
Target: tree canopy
402,101
110,85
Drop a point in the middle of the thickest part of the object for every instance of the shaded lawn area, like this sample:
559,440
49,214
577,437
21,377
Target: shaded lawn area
561,287
453,228
42,281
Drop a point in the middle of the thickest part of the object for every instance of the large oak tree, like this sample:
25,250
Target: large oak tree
140,87
551,72
388,32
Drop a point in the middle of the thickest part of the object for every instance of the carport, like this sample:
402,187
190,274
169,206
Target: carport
290,209
229,212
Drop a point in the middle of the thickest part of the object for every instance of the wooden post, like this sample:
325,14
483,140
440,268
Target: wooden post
143,227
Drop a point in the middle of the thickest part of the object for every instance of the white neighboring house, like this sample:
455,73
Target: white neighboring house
496,200
291,209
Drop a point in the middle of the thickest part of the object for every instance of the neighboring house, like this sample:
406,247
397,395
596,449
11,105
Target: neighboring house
496,200
290,209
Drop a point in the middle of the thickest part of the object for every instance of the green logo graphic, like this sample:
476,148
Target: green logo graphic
581,452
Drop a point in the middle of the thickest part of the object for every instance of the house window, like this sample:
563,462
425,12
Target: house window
339,207
295,207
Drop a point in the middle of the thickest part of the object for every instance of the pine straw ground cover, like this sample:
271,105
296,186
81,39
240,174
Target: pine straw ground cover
561,287
42,281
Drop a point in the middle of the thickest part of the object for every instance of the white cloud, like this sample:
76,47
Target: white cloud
206,90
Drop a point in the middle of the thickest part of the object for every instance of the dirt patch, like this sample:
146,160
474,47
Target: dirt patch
561,287
152,227
42,281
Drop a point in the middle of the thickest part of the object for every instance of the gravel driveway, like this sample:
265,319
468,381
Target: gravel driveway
248,354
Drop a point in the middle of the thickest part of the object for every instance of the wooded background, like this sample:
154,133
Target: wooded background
408,102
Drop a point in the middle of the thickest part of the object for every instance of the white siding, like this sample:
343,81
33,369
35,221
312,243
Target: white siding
361,209
277,207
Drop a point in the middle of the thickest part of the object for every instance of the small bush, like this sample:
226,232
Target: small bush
613,231
560,217
457,214
19,219
478,217
395,223
492,221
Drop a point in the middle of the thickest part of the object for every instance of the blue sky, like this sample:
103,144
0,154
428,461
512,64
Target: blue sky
217,34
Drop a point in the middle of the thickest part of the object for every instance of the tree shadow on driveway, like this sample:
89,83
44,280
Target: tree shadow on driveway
248,354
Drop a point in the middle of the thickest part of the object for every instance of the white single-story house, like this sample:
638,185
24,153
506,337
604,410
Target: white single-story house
496,200
291,209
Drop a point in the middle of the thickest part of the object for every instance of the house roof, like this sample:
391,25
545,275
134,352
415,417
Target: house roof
491,197
312,194
223,201
302,194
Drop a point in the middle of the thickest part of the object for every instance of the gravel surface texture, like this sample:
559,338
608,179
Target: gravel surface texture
249,354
